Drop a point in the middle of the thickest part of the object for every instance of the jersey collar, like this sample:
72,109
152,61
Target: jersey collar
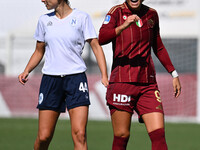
127,10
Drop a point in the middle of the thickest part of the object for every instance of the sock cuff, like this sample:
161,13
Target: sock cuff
157,134
120,143
121,138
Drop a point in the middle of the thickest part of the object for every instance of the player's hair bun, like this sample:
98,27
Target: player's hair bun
67,1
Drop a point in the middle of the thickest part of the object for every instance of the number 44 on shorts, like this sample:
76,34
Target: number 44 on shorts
83,87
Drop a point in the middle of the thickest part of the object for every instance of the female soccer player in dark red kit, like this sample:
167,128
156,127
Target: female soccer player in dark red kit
133,29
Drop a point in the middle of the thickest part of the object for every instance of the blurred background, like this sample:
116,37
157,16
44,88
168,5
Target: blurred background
180,31
179,28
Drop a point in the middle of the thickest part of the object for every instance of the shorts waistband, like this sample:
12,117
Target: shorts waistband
63,75
55,75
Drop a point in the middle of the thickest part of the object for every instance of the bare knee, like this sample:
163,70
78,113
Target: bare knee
79,136
121,122
44,138
122,133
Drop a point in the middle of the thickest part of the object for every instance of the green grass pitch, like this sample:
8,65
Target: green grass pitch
20,133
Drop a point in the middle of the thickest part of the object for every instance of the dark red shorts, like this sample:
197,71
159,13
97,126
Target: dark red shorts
142,98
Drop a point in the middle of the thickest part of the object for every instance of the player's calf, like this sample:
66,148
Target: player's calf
158,139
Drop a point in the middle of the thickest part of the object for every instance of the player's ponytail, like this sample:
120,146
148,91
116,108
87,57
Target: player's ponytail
67,1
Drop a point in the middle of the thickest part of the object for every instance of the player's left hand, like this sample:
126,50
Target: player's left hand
104,81
177,87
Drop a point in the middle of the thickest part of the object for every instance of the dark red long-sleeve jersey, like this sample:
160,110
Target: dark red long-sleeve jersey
132,61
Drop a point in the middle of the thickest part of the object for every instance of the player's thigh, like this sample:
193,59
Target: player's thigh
153,121
121,122
47,122
78,118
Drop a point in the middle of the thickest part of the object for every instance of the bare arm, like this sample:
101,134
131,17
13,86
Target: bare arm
100,57
177,87
33,62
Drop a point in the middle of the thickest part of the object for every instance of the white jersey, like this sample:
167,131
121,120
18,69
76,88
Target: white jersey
65,39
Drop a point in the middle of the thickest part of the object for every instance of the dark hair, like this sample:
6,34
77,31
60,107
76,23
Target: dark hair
66,1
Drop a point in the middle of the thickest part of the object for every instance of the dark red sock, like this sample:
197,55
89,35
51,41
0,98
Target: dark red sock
120,143
158,141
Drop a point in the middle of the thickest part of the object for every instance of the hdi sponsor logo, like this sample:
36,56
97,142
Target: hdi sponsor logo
121,98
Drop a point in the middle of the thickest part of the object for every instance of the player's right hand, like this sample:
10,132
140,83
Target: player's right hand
130,19
23,77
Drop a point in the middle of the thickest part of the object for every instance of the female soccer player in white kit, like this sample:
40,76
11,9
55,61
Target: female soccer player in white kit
61,36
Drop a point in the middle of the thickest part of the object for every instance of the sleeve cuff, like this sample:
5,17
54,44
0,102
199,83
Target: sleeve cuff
174,74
